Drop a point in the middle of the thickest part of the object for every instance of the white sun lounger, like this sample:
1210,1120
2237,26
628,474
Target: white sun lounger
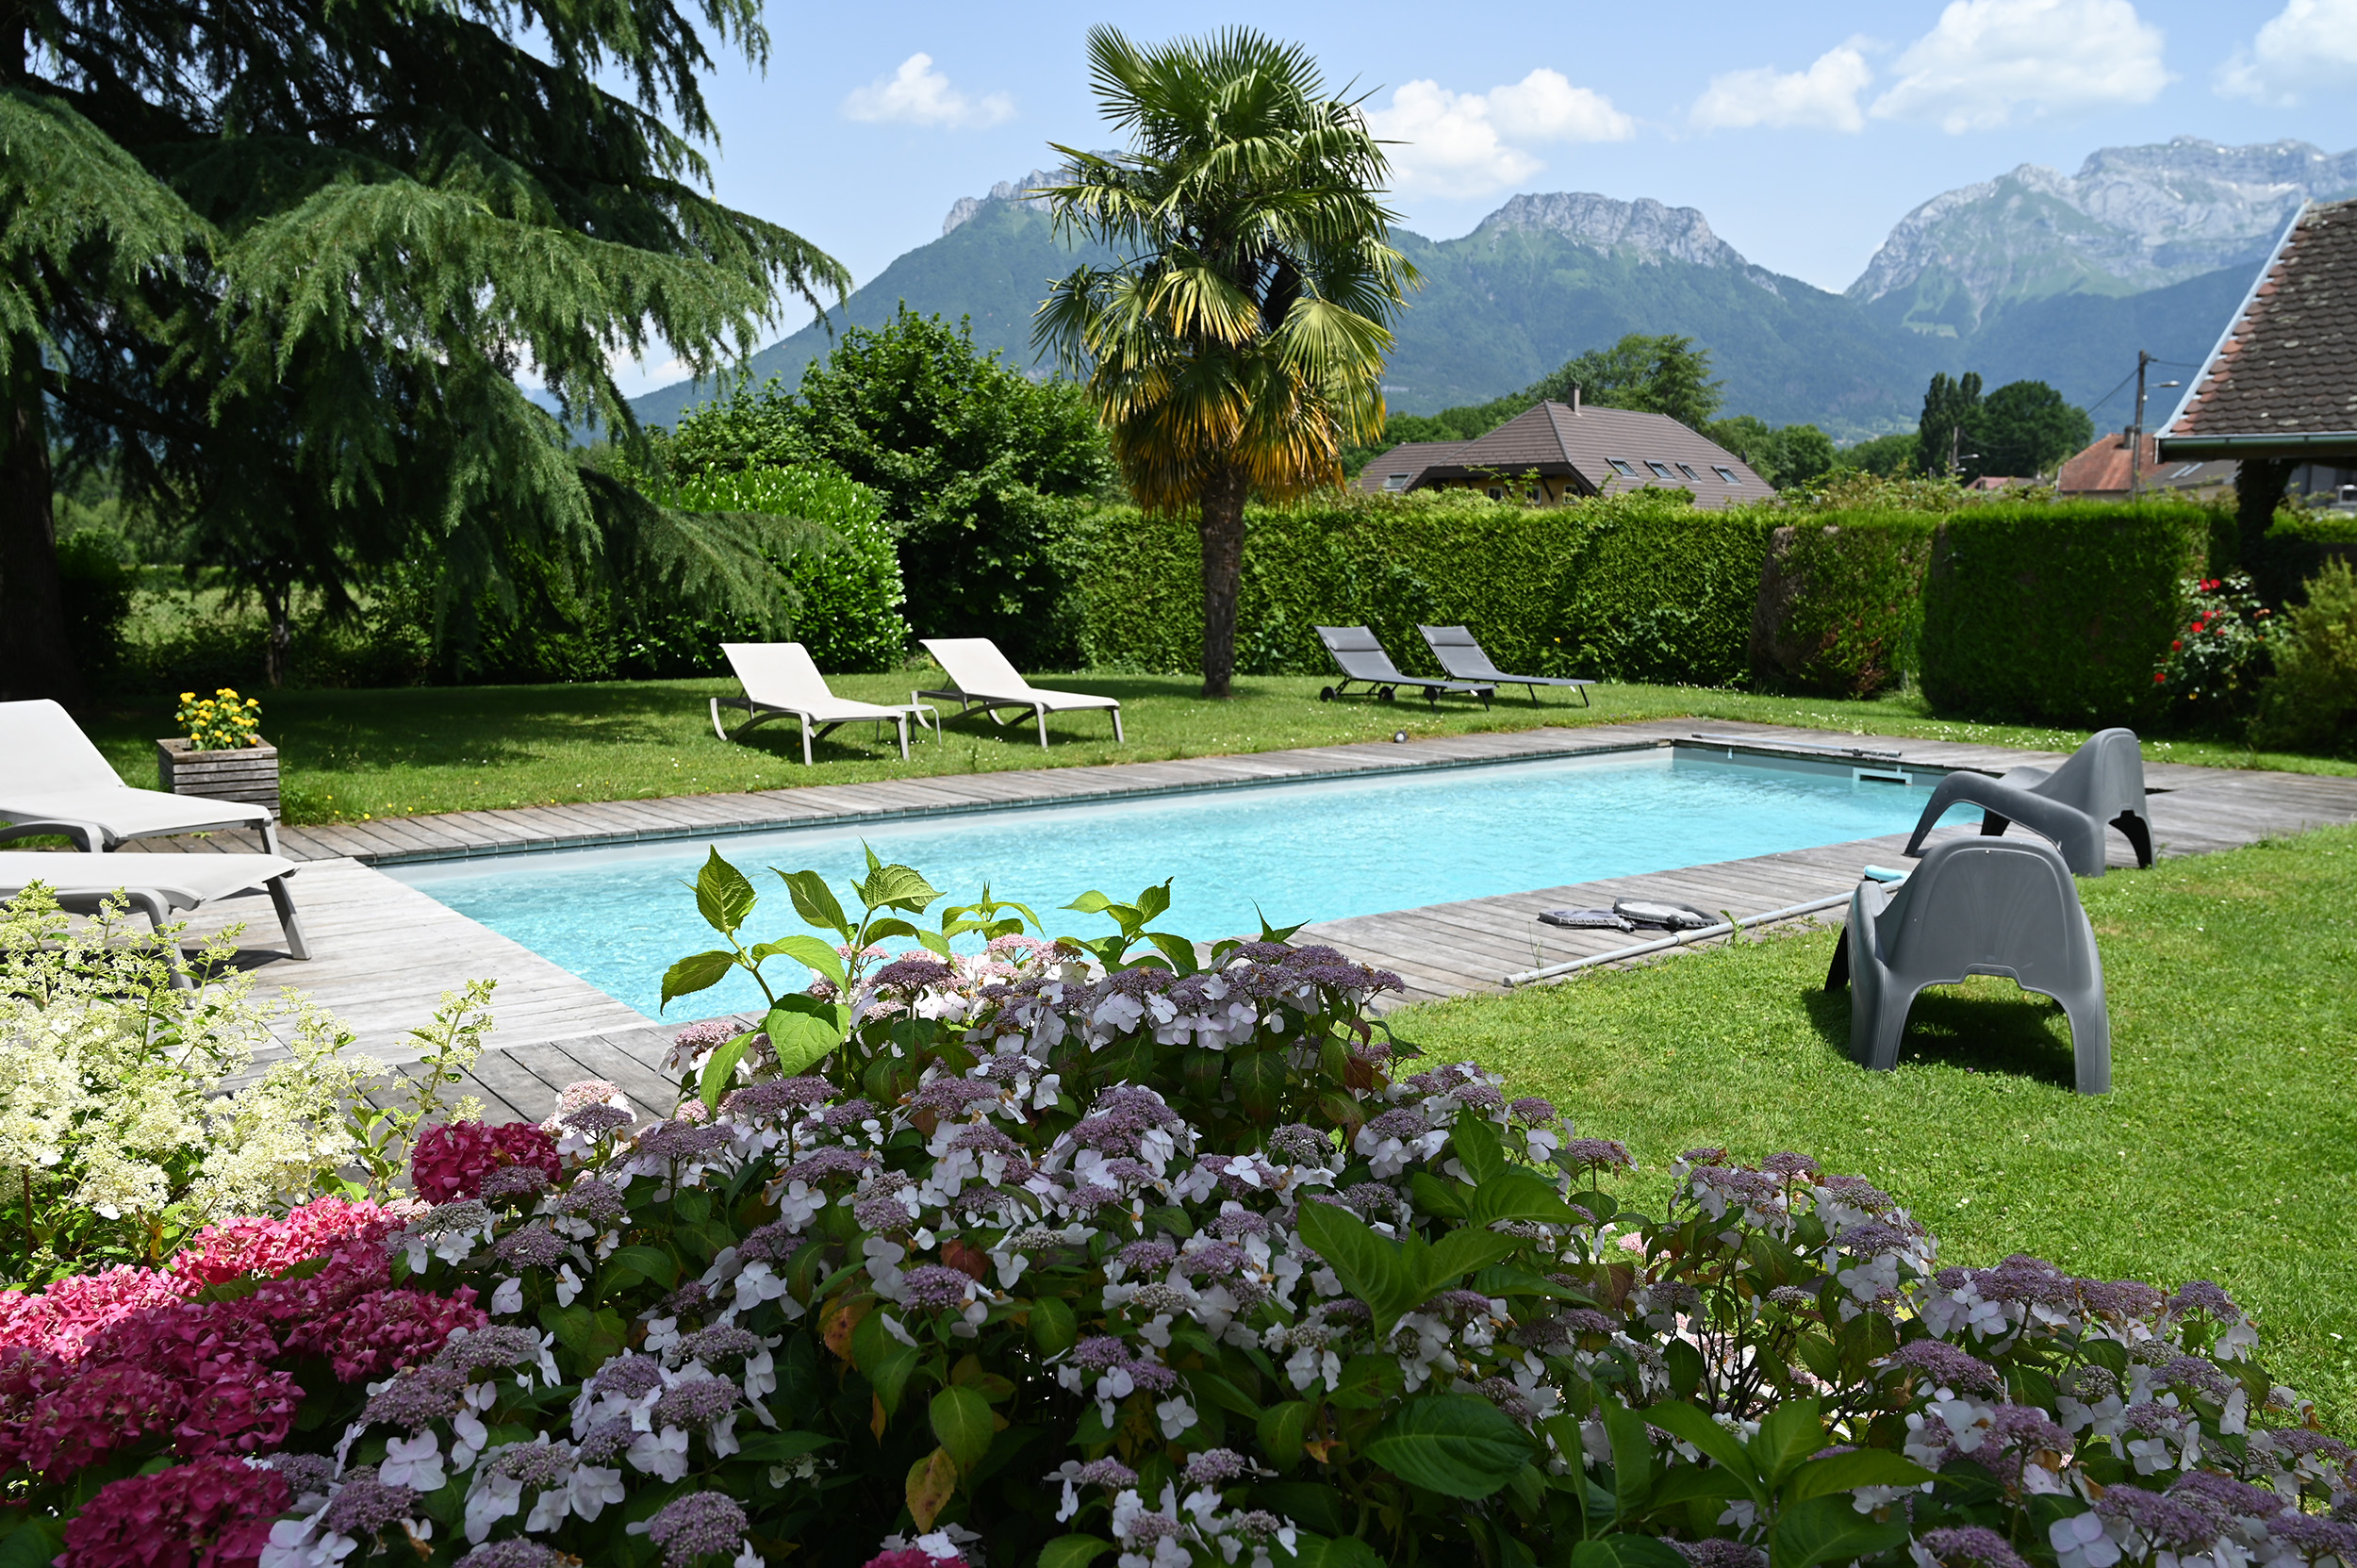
155,885
980,676
53,780
779,681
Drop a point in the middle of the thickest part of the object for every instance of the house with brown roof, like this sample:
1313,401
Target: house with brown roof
2105,472
1560,452
2280,387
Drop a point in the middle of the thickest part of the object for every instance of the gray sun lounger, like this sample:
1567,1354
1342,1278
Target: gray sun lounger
1464,657
54,780
980,676
1975,906
781,682
1358,655
2101,784
155,885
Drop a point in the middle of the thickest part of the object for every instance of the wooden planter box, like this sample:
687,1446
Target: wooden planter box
249,774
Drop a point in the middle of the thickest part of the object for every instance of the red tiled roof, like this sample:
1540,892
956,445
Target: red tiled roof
2287,369
2103,469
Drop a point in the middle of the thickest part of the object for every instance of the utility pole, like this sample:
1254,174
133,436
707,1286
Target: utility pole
2135,435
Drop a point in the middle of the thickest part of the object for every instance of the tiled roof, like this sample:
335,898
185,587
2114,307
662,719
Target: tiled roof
1403,462
1554,438
2287,367
2103,469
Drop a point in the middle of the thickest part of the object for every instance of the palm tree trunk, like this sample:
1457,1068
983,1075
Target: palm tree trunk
1223,574
34,658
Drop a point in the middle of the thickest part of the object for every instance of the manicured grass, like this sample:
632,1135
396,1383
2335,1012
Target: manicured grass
350,754
2227,1151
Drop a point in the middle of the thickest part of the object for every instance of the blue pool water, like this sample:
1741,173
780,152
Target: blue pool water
1304,852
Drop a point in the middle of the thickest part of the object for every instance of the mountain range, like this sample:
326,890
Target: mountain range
2034,275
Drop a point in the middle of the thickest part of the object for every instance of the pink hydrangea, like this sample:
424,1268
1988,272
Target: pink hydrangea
270,1247
386,1330
62,1319
450,1161
210,1513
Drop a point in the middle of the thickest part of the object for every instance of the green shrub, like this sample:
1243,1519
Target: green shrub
1840,604
1637,587
2210,675
1658,592
2311,701
96,583
850,585
2056,612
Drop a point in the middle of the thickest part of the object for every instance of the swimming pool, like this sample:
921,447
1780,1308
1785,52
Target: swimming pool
1311,850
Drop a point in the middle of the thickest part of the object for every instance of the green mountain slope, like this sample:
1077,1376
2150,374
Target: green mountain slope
1504,306
994,269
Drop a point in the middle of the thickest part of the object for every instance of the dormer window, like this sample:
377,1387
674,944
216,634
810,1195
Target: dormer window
1687,470
1622,467
1726,475
1661,470
1397,481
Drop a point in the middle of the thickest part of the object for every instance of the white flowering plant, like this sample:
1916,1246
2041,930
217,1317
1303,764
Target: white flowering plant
134,1111
1063,1254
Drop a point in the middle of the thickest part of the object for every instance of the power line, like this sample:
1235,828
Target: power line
2113,393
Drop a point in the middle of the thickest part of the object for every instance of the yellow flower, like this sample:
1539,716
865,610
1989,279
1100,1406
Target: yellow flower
188,697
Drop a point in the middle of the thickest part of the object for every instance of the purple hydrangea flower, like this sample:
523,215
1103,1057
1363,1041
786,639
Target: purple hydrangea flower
1972,1543
696,1404
629,1376
1946,1365
700,1524
364,1505
1215,1467
936,1288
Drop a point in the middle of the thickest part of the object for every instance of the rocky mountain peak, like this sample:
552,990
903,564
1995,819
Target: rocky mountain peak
2131,219
961,211
1644,225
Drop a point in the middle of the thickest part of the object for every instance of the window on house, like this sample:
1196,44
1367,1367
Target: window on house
2181,473
1622,467
1687,470
1497,492
1397,481
1531,494
1661,470
1727,475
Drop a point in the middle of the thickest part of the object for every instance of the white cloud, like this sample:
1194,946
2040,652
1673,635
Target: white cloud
916,94
2309,43
1985,59
1824,96
1466,143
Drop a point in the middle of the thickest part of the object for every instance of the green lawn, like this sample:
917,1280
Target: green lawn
2228,1150
350,754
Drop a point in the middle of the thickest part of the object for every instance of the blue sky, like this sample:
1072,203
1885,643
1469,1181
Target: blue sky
1801,131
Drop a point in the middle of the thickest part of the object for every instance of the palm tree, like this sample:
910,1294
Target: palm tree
1240,346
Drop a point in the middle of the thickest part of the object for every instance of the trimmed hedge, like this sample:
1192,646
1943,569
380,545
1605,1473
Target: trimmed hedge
1840,604
2056,612
1635,587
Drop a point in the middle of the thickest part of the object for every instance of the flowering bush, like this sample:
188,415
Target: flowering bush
131,1110
222,722
1056,1253
2220,652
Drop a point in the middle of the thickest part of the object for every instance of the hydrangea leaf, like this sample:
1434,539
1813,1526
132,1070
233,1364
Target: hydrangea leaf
1829,1529
901,887
1682,1420
1633,1468
814,901
1477,1148
932,1480
1786,1435
1281,1428
962,1421
723,896
1073,1551
780,1447
811,953
1627,1551
803,1031
647,1263
1453,1443
1335,1551
1381,1273
1847,1472
1516,1194
696,972
1053,1326
721,1067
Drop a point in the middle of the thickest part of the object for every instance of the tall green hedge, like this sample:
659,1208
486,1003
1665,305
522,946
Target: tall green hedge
1637,587
1840,605
2056,612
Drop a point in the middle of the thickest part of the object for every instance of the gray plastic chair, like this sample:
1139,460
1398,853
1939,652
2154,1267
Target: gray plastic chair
1975,906
1357,653
2101,784
1464,657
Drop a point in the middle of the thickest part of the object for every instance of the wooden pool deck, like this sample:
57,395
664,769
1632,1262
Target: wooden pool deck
384,953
